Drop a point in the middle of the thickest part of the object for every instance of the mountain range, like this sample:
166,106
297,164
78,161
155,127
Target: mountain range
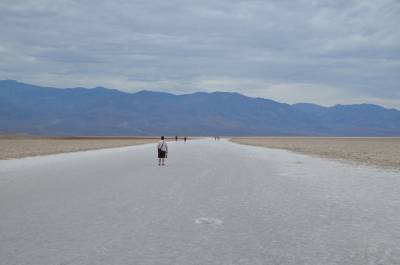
31,109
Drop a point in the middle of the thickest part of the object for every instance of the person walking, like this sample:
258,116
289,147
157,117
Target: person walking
184,139
162,149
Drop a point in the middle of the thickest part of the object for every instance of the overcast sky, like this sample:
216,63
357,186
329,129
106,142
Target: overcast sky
325,52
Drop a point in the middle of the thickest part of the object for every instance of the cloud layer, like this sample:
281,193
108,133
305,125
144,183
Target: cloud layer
324,52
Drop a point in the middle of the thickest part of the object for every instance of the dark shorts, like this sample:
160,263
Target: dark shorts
161,154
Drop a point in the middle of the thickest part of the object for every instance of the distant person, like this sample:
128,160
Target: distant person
162,149
184,139
176,138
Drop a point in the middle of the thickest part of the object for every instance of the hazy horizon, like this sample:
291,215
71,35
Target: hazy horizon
199,91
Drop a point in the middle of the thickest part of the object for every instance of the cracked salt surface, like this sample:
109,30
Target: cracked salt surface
116,206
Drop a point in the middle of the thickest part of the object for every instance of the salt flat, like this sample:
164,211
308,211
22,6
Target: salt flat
17,146
215,202
371,151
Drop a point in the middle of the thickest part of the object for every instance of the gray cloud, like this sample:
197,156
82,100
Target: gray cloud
325,52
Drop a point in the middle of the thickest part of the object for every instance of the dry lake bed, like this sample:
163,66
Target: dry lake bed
373,151
12,146
215,203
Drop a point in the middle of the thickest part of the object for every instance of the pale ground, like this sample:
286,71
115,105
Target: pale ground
215,202
382,152
22,146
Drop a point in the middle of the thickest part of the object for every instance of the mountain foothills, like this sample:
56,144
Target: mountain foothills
39,110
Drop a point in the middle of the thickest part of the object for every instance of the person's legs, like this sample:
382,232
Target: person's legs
159,161
163,160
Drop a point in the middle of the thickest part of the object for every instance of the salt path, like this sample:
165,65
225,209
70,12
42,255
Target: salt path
215,202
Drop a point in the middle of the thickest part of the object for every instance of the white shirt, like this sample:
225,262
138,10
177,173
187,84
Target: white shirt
163,146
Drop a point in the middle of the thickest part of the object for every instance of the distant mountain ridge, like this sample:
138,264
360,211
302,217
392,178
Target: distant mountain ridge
40,110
